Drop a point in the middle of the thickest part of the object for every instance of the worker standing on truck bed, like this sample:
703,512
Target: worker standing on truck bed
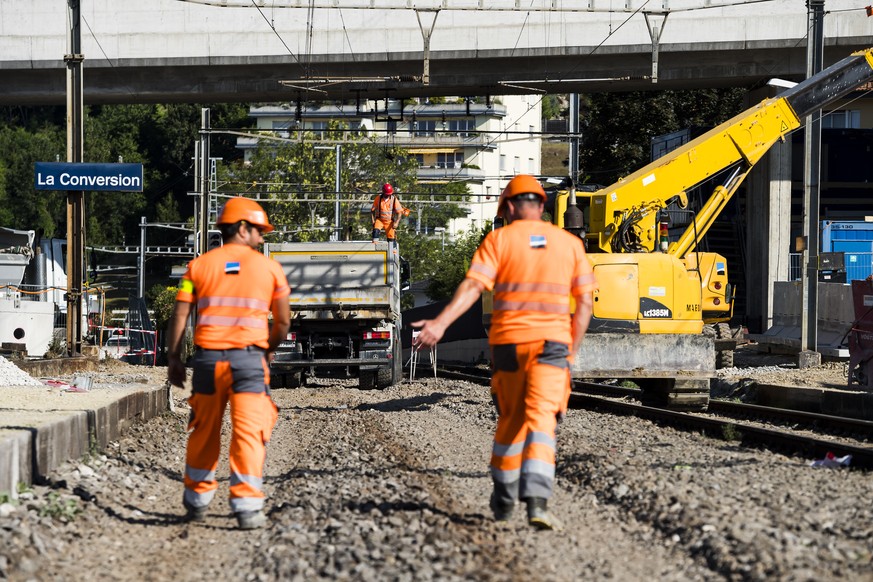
386,214
235,287
533,268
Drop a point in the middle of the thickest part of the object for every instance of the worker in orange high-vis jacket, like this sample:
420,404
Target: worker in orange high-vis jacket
386,213
534,268
234,288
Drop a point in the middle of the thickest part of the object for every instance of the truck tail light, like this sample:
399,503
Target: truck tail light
377,335
291,336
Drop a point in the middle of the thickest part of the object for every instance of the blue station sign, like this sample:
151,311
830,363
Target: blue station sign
88,177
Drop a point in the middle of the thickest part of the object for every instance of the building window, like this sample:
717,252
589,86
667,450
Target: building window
283,127
463,127
487,192
502,162
841,120
424,128
530,166
318,128
450,160
531,130
516,165
420,159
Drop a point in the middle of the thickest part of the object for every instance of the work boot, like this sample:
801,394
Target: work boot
539,517
502,510
194,513
250,519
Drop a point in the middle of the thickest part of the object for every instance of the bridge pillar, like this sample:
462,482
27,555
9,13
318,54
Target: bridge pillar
768,230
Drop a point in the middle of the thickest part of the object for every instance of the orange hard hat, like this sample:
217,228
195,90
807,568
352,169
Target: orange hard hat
240,208
521,184
387,189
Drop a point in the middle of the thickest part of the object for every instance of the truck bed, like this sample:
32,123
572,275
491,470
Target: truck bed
338,279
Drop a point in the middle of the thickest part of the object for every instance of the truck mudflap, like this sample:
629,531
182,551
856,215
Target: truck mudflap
672,370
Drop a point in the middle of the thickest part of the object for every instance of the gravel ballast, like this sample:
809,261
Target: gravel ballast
394,485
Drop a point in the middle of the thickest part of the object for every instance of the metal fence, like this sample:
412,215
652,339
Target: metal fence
859,266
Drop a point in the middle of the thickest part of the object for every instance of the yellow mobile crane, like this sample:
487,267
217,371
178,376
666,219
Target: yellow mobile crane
655,296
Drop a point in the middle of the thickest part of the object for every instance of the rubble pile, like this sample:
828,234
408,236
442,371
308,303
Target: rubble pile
12,375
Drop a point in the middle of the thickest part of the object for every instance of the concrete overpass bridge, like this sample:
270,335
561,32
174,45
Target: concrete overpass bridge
283,50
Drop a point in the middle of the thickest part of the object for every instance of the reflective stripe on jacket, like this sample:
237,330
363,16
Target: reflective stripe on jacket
234,287
386,209
533,267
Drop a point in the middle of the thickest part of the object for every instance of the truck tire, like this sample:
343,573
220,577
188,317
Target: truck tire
724,358
385,377
398,363
294,379
367,379
277,380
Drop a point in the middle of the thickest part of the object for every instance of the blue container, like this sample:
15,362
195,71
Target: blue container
853,238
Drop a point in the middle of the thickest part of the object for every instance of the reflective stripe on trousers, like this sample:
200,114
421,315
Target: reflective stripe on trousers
240,378
530,386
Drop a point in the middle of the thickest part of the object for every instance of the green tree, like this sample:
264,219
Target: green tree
162,300
551,107
452,263
23,206
290,177
617,128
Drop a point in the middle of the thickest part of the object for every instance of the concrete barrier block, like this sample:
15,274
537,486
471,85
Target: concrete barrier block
59,441
15,460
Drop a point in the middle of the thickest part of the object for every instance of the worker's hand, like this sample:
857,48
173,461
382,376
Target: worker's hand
429,336
176,371
395,225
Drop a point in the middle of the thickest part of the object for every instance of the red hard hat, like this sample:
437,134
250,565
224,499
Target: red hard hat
240,208
387,189
521,184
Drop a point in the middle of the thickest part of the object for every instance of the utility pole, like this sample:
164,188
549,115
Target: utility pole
337,186
809,355
574,220
142,257
75,199
203,209
573,162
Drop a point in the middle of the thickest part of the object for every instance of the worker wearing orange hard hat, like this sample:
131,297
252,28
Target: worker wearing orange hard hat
386,213
533,268
235,288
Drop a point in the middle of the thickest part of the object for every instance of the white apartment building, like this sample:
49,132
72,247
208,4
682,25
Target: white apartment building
483,143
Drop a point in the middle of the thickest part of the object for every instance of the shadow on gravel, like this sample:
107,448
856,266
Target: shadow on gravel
418,403
171,474
385,468
388,508
148,518
309,409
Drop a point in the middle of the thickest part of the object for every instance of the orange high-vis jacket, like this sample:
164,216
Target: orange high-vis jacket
385,209
234,287
534,268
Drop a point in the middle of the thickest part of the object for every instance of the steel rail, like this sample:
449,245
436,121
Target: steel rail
727,429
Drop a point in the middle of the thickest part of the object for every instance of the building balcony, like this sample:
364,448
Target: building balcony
440,174
437,142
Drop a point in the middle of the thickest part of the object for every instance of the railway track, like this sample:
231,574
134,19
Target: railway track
788,431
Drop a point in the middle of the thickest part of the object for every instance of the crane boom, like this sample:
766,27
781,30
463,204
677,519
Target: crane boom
772,120
622,216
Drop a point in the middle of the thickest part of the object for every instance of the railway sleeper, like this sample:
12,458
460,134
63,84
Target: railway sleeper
691,394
